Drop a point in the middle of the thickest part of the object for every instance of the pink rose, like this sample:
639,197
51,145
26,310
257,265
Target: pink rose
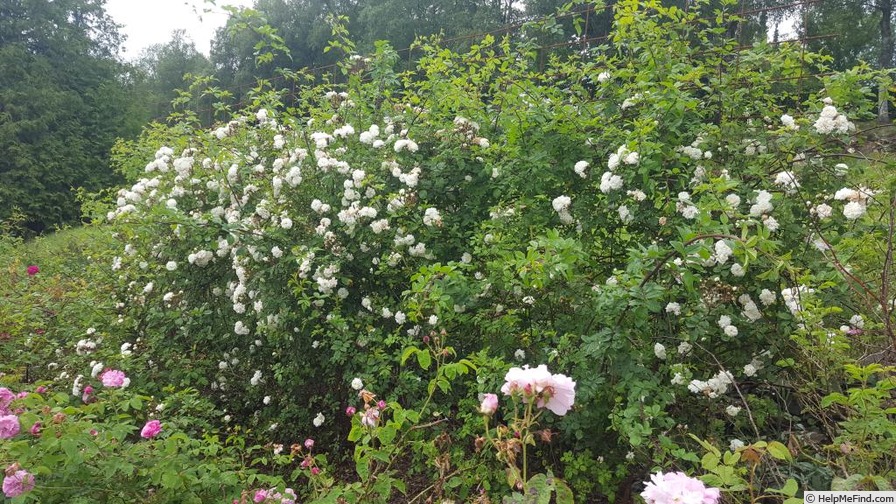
554,392
17,483
371,417
6,397
114,378
151,429
561,395
33,270
9,426
677,487
489,404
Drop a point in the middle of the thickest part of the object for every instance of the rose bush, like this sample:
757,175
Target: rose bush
667,219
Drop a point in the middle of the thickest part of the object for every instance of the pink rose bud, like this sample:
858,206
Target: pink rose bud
41,389
381,404
489,404
309,443
350,411
315,471
35,429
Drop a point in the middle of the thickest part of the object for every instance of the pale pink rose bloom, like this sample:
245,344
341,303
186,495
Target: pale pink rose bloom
114,378
489,404
526,380
561,395
678,488
371,417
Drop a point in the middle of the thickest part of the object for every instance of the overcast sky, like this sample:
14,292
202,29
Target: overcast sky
147,22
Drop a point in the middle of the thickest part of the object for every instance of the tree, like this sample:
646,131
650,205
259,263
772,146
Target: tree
860,31
162,69
62,104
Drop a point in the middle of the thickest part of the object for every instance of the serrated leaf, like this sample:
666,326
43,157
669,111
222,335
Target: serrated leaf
710,462
830,399
387,434
777,450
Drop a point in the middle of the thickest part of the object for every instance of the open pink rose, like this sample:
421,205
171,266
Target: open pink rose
17,482
114,378
675,487
9,426
151,429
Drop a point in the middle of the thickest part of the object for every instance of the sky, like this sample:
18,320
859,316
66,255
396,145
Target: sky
148,22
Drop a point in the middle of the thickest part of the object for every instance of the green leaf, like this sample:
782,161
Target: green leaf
387,434
777,450
564,493
710,462
790,488
706,446
835,398
424,359
538,484
356,432
362,468
407,354
170,479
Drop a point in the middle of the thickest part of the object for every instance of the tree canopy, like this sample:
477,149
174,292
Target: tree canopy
62,105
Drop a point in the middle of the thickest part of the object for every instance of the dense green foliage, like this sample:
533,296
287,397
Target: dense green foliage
62,106
694,237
